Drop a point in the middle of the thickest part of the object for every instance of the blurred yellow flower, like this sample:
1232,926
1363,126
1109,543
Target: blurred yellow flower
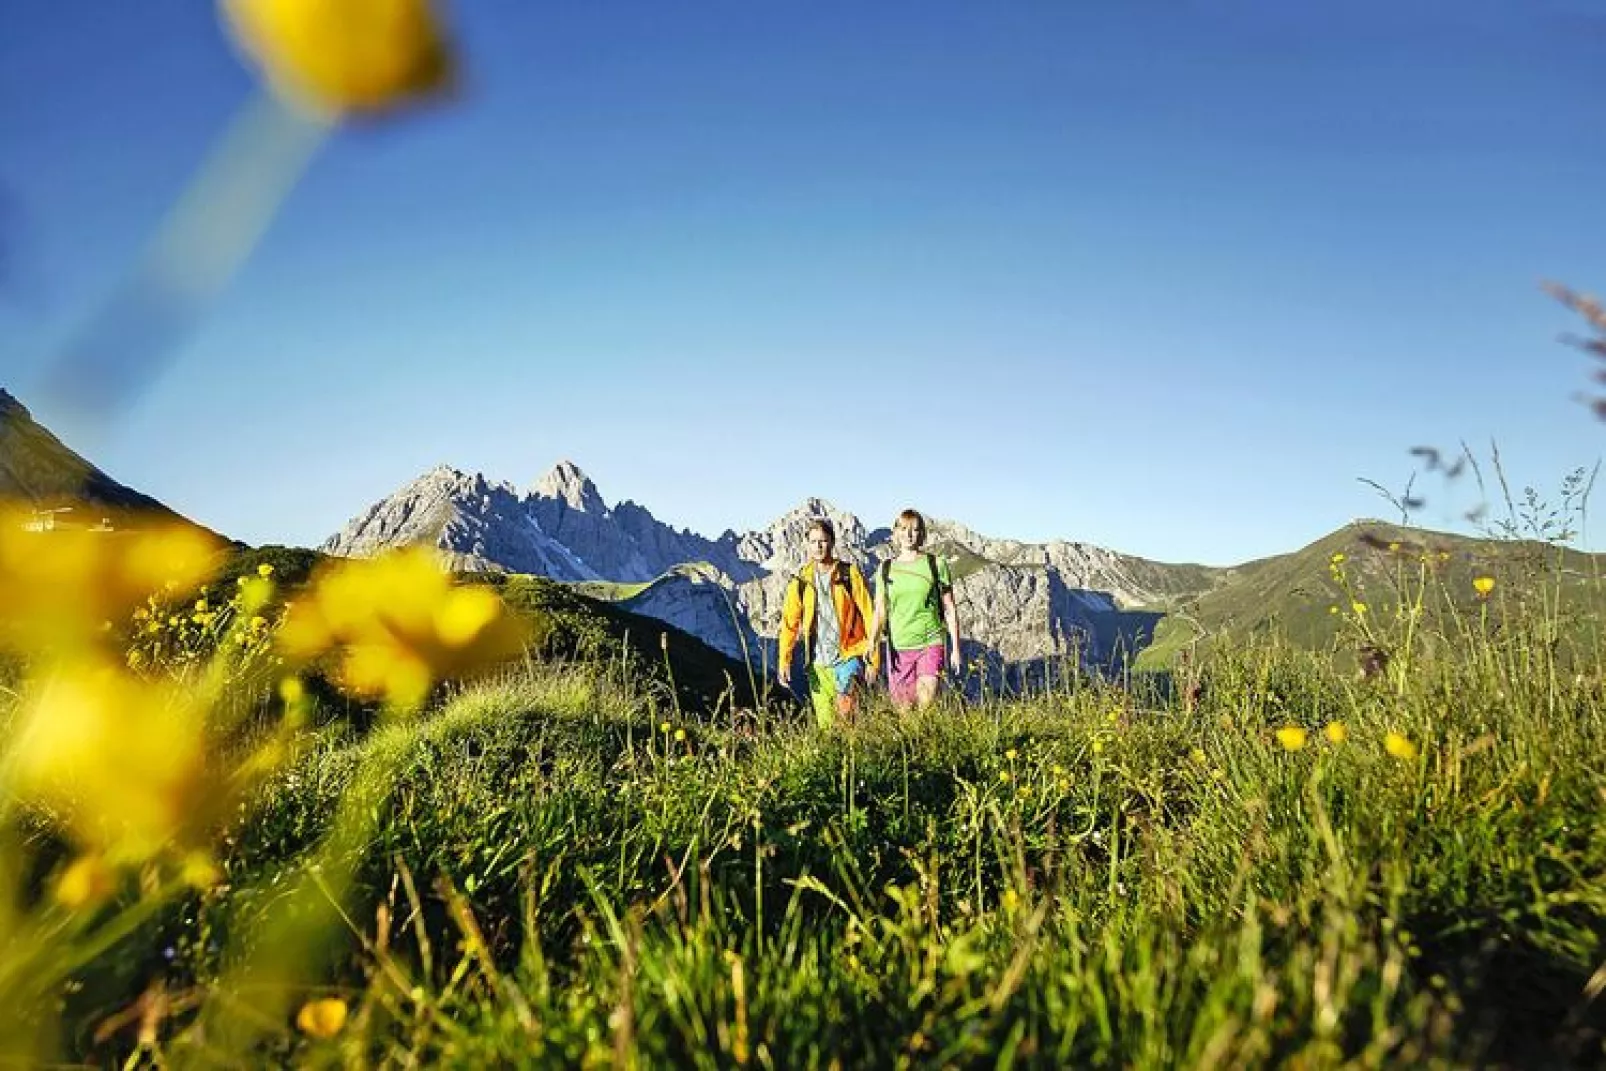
121,759
1483,585
337,56
291,690
400,624
323,1018
87,881
1011,754
1291,737
1336,732
57,587
1399,746
1358,607
1338,558
680,735
264,570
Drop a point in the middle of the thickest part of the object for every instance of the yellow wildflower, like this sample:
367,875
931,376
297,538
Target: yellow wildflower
1399,746
1359,608
401,624
87,881
264,570
1291,737
122,759
199,871
291,690
1338,558
1011,754
1336,732
57,587
664,726
680,735
322,1018
1483,585
336,56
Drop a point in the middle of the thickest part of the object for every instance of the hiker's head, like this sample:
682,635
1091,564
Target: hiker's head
909,530
821,539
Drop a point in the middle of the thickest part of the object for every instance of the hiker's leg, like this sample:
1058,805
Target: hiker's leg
848,673
928,671
822,695
901,679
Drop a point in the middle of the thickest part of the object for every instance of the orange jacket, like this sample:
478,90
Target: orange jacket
853,609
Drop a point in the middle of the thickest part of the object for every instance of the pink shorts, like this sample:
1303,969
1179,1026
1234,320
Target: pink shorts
908,667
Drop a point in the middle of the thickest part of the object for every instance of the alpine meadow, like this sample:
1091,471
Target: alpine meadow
495,778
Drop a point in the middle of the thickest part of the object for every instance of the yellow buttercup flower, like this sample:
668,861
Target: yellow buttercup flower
400,624
87,881
1291,737
57,587
1399,746
1483,585
1359,608
1338,558
1336,732
323,1018
680,735
338,56
264,570
122,759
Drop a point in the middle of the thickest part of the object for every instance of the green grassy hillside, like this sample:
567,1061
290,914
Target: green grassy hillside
1308,598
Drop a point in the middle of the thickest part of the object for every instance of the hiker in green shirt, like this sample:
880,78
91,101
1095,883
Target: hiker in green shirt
914,601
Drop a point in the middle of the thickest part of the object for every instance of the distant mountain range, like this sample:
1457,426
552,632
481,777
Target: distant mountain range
1021,604
1026,609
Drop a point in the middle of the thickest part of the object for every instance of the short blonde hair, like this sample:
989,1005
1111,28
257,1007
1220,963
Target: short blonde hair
820,524
911,519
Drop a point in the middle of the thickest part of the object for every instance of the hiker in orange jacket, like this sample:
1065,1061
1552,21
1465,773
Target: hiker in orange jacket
827,605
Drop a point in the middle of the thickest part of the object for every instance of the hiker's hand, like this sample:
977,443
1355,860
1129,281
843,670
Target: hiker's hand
954,662
784,675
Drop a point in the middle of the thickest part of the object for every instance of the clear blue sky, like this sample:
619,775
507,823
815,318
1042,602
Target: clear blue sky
1162,275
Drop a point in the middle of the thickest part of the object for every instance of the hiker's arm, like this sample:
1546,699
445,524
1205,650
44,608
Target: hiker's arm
878,619
950,616
864,602
791,619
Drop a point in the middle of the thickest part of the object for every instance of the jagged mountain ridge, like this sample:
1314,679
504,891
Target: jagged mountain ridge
1020,602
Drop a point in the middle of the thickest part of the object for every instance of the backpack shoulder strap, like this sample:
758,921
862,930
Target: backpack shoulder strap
938,588
842,574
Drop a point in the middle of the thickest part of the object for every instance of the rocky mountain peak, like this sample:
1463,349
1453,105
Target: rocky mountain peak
567,483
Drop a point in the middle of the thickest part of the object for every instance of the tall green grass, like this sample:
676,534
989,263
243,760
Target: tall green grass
559,869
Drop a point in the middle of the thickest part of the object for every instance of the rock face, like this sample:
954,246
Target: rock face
38,469
1021,605
561,529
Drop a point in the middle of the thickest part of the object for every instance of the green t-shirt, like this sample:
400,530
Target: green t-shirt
912,614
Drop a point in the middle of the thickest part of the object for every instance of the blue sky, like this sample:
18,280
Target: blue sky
1165,276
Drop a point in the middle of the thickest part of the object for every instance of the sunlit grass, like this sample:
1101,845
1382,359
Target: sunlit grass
1280,859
